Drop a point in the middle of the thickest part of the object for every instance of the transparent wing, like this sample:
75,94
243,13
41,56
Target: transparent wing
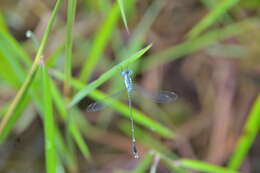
159,97
99,105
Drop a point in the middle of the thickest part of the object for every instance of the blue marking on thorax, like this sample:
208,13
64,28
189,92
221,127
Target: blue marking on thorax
127,80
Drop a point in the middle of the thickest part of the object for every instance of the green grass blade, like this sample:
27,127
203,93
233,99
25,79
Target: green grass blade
68,159
49,124
212,17
124,109
10,43
140,32
7,74
191,46
3,25
103,78
73,129
71,12
101,39
27,83
246,140
202,166
122,10
18,112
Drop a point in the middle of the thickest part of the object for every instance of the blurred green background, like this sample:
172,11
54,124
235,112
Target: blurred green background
206,51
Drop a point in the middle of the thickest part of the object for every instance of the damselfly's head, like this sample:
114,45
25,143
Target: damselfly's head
127,73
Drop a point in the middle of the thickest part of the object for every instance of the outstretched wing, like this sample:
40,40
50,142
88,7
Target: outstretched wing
159,97
99,105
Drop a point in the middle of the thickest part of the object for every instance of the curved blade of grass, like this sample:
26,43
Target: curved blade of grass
104,77
246,140
27,83
191,46
18,112
101,39
63,151
12,60
122,10
7,74
221,9
140,32
139,117
49,124
73,128
202,166
71,12
13,51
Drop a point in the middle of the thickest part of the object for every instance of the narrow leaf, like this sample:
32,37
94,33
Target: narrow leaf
212,17
49,124
248,136
122,10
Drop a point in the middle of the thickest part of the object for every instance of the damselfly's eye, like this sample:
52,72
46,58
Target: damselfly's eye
123,73
129,72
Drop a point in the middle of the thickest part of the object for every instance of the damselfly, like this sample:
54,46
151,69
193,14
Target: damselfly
160,97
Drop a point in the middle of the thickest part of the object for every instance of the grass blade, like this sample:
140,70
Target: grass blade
191,46
27,83
73,128
202,166
103,78
246,140
212,17
71,12
49,124
122,10
101,39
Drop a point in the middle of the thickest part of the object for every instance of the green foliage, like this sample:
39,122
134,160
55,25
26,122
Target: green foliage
28,81
49,124
100,41
54,105
69,43
248,136
122,10
194,45
203,166
218,11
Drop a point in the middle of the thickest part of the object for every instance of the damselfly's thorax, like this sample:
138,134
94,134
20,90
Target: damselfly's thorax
126,73
127,80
